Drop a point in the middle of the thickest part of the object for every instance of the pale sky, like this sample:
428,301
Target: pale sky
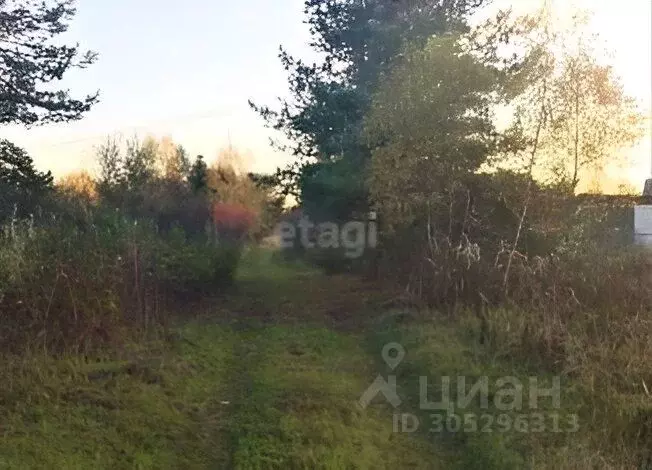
186,69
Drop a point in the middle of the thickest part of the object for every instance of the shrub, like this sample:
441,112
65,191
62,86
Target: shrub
232,222
76,283
193,266
573,298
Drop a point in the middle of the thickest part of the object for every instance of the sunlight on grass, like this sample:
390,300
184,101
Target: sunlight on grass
147,414
298,407
244,391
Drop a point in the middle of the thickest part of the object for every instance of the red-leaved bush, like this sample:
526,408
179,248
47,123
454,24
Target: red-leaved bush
232,221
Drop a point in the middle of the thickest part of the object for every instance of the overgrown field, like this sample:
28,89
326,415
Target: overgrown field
269,377
456,272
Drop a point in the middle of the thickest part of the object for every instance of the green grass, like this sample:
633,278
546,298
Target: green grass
269,378
297,407
256,398
228,390
492,439
154,411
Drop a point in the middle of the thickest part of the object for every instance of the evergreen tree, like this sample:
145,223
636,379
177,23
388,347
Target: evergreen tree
359,40
30,61
21,185
198,176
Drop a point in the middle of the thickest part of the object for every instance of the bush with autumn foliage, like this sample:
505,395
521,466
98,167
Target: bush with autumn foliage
104,258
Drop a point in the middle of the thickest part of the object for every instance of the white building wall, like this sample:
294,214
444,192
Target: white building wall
643,225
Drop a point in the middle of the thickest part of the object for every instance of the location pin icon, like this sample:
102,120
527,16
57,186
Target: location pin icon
393,354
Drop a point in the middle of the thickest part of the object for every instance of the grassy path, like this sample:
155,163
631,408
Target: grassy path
300,366
268,378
